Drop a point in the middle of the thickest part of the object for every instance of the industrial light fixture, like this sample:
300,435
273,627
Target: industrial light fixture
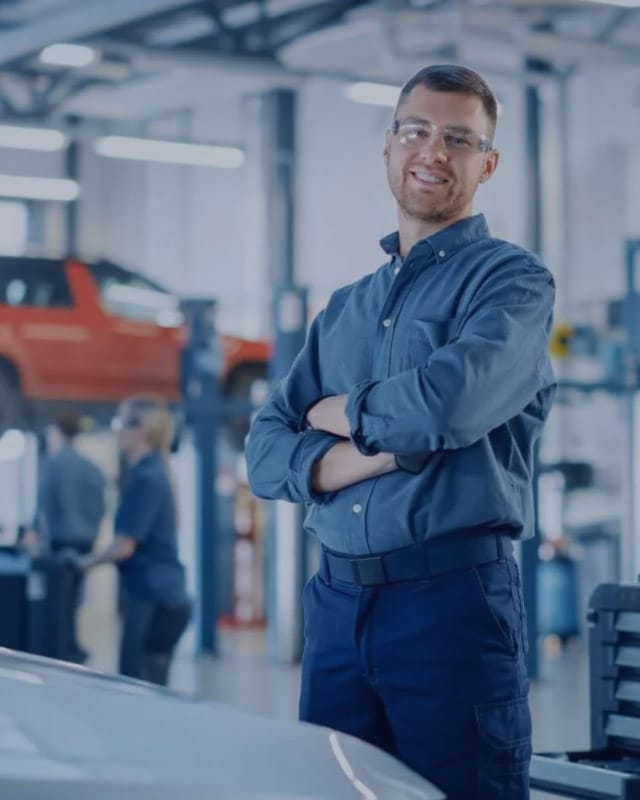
68,55
60,190
375,94
187,153
20,138
619,3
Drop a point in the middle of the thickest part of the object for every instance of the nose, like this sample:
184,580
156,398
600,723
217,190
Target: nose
434,150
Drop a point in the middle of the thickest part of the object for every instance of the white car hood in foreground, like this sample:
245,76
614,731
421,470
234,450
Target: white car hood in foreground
67,733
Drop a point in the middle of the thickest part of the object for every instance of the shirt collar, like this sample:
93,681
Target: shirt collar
444,243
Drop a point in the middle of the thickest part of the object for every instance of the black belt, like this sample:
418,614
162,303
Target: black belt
416,562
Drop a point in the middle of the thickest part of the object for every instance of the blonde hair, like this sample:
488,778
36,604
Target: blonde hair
156,422
154,419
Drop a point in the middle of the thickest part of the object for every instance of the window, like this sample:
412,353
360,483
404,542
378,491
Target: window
127,294
34,282
14,228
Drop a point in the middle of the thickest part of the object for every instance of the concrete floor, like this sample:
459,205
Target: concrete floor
243,676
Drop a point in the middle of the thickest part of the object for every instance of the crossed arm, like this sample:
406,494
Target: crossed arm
480,379
342,465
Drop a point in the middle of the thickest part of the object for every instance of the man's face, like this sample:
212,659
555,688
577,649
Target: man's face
432,182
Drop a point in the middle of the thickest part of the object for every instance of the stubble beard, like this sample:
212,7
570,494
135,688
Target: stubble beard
422,209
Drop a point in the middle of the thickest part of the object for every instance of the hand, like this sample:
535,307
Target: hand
329,415
30,543
71,556
82,563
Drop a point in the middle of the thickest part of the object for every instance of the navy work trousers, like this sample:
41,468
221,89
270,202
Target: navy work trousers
431,671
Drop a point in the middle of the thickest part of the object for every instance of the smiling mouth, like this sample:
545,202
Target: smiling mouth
428,178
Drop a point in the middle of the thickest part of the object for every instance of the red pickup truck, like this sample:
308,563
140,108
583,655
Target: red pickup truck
87,335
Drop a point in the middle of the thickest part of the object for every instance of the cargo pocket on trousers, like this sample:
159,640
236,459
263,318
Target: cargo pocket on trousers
504,732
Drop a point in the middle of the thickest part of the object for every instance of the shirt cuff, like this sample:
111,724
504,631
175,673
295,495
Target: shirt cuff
311,447
303,422
355,409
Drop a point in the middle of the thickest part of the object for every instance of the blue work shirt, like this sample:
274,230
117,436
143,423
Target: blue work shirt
70,499
445,361
147,514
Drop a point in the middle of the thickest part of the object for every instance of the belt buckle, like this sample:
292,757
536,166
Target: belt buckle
369,571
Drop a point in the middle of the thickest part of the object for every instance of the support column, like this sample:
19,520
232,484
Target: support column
71,208
286,568
201,363
629,547
533,182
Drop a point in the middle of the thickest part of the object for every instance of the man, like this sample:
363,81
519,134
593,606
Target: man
70,504
408,424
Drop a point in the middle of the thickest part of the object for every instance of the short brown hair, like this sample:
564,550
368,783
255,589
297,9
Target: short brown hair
452,78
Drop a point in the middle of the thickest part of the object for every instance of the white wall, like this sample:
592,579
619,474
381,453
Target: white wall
603,128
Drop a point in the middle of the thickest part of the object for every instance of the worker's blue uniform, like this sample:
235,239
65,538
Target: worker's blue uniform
157,606
444,357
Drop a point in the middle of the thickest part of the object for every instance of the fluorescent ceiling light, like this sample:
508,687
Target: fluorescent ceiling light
68,55
56,189
620,3
45,139
375,94
196,155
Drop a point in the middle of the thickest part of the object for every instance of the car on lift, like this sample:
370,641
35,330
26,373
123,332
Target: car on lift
80,334
69,733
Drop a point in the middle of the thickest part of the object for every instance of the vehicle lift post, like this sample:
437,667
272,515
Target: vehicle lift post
286,544
201,365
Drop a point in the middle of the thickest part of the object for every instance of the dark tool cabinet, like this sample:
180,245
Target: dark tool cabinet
611,769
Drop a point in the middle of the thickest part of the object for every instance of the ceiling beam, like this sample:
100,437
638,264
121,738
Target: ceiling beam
90,18
267,70
493,24
552,45
277,31
616,21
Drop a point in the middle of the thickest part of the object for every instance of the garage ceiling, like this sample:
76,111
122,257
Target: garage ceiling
151,50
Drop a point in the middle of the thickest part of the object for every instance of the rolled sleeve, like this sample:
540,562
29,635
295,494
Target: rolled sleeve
354,410
310,448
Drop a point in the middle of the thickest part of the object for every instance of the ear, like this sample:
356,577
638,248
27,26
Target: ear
387,147
490,165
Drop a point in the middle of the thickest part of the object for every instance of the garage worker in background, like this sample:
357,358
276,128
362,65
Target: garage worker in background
408,423
70,506
144,547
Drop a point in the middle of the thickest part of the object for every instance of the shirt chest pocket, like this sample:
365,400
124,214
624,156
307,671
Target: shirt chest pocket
425,336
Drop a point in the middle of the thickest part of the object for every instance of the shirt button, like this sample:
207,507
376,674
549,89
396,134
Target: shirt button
396,270
441,254
386,322
357,508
